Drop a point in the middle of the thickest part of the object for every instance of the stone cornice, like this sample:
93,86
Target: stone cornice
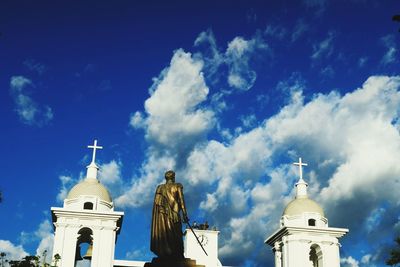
116,216
87,213
289,230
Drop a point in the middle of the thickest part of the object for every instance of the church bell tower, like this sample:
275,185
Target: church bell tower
87,217
304,237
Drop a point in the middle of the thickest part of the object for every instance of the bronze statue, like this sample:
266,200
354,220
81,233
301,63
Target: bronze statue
166,225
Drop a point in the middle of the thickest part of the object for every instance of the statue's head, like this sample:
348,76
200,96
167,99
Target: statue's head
170,176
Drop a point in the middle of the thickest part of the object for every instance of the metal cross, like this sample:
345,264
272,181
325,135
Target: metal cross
300,164
94,150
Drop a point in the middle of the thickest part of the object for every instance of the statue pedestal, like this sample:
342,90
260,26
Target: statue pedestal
159,262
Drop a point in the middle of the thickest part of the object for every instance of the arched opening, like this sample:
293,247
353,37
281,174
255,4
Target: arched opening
311,222
88,206
83,250
315,256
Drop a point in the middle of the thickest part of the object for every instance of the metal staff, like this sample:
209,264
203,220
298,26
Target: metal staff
198,241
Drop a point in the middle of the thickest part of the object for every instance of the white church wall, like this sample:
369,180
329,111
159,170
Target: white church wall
104,227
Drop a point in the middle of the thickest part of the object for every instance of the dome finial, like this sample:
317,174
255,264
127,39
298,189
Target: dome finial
301,185
92,168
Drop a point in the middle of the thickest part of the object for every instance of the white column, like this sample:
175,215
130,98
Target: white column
285,252
278,254
68,247
58,239
330,257
96,247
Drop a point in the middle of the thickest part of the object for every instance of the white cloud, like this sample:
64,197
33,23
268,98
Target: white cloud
141,191
246,229
294,83
373,220
13,252
137,121
324,48
210,203
299,29
238,55
328,72
366,259
66,183
371,141
362,61
28,110
237,58
213,58
110,176
45,234
349,262
141,253
19,82
276,31
248,121
174,119
110,173
391,50
319,5
390,56
35,66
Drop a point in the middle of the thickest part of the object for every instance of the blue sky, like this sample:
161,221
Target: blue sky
228,94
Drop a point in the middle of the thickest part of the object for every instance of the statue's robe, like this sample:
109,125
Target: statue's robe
166,225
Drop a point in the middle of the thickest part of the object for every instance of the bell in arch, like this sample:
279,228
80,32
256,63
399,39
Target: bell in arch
88,255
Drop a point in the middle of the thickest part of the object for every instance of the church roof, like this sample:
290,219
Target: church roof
91,187
301,205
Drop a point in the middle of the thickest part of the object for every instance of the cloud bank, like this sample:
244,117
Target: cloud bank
43,236
12,251
351,143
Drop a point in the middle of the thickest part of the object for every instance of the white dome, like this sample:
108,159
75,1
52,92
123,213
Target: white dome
90,187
